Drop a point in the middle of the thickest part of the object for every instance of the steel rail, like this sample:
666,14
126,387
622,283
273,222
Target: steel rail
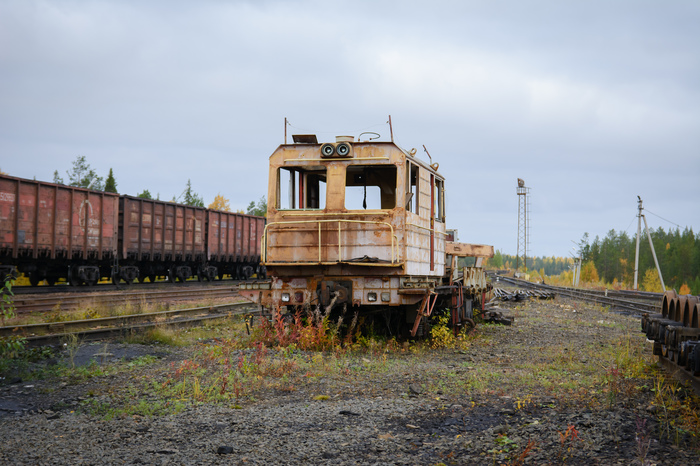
593,296
27,304
109,326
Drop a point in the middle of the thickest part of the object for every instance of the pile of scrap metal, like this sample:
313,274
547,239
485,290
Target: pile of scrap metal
520,295
496,316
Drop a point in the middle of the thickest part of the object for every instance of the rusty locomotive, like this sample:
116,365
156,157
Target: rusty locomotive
360,226
50,231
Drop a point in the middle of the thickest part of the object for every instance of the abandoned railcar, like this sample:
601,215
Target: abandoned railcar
360,226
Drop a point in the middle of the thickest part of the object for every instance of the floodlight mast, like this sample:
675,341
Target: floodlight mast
523,224
641,216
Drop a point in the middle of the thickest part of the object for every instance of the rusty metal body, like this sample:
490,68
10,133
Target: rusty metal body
45,227
233,242
160,238
676,332
50,231
322,246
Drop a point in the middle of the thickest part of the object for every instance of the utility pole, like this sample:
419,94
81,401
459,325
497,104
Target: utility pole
641,216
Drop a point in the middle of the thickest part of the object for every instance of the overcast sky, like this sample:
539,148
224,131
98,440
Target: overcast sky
590,102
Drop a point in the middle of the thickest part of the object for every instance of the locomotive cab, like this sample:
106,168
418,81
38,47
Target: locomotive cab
353,226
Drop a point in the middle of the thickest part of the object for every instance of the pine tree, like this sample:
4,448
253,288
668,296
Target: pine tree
111,183
192,198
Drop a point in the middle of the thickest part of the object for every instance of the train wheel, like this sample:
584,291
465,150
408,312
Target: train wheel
34,279
51,281
152,278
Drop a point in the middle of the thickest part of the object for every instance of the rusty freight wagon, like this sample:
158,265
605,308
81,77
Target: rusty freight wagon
50,231
359,226
158,238
233,244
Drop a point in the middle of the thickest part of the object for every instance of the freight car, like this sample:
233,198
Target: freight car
360,227
50,231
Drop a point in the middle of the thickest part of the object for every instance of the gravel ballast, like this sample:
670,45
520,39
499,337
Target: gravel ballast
495,401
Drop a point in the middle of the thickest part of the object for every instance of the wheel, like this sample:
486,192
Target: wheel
91,282
152,278
51,281
34,279
129,281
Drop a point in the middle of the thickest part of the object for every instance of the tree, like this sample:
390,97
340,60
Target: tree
589,274
57,178
82,176
259,209
220,203
145,194
111,183
651,281
191,197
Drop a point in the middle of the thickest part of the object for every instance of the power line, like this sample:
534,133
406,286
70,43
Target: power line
672,223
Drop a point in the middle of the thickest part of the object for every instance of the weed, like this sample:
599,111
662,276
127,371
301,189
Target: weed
520,459
7,304
567,441
71,344
642,440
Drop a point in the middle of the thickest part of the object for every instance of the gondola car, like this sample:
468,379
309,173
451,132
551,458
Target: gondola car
50,231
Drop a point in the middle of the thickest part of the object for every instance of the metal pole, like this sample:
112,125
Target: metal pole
285,130
653,253
636,254
391,129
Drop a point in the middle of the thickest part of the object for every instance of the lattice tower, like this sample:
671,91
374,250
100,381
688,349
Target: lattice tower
523,224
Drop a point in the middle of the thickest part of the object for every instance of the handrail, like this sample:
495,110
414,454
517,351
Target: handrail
394,238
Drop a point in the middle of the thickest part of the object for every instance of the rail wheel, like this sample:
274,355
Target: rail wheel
152,278
51,281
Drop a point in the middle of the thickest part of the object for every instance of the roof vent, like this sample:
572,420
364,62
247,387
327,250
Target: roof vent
344,139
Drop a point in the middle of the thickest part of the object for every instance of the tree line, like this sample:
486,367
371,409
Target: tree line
547,266
678,253
81,175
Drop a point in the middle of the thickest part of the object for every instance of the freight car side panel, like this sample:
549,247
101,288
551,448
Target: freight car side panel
155,230
48,220
233,237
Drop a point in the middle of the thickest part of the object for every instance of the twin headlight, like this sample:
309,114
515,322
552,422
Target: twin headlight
342,149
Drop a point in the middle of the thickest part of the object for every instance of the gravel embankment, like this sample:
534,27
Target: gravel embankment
536,382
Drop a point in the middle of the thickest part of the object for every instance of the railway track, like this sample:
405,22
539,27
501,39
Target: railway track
53,333
106,287
633,302
26,304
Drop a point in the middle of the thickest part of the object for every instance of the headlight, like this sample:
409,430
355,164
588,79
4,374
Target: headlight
371,296
285,297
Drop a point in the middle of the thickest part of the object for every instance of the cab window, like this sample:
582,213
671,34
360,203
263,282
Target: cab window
370,187
301,188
